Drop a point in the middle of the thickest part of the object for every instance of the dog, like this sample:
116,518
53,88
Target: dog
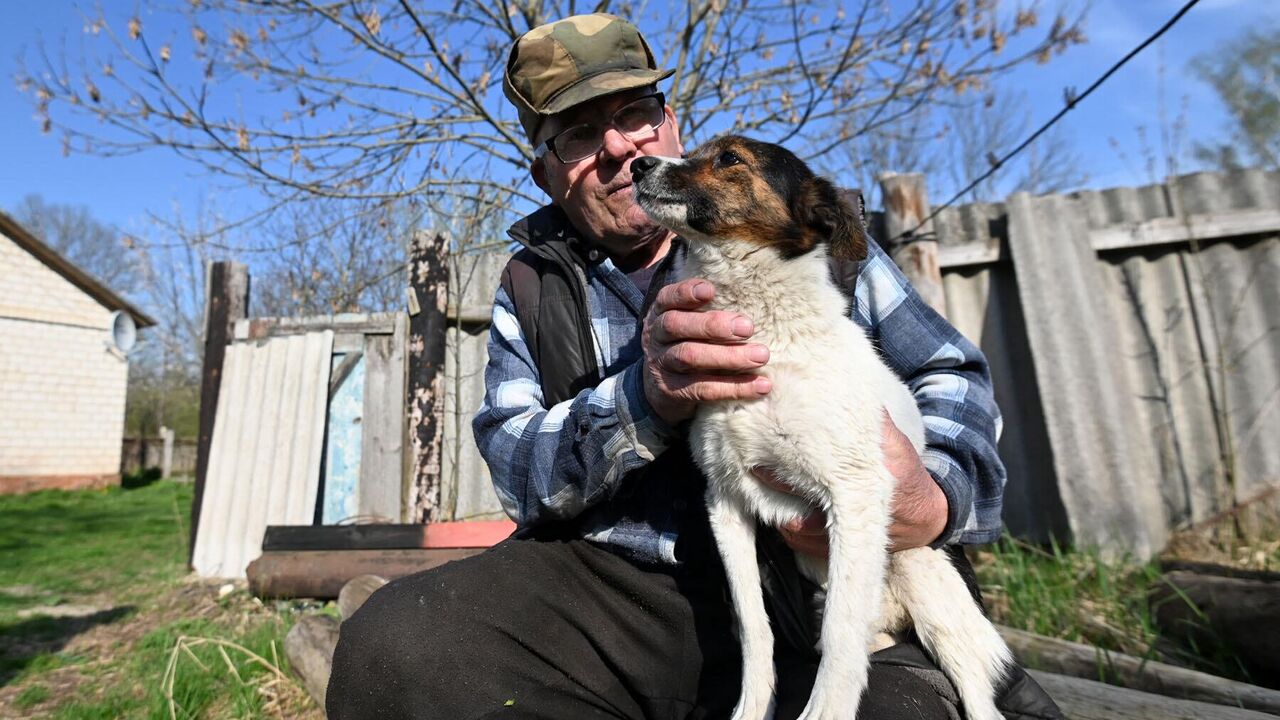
760,226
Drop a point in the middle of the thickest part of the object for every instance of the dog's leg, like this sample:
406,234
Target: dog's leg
952,627
735,533
857,526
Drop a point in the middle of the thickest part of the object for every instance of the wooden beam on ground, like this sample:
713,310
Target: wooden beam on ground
1204,611
322,573
226,301
913,246
428,274
309,647
356,591
1084,661
469,534
1090,700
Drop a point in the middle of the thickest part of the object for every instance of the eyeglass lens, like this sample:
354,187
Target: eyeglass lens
633,120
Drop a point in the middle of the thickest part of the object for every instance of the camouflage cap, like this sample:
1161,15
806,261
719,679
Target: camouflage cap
561,64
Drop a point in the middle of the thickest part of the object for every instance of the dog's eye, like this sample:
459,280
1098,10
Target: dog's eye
727,159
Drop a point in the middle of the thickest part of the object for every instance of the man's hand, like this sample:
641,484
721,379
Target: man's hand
918,509
694,355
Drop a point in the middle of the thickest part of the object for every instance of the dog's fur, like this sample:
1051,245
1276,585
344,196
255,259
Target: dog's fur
760,227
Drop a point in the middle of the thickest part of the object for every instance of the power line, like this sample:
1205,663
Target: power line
1071,101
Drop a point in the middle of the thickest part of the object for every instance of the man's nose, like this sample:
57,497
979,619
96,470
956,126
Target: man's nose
641,166
615,144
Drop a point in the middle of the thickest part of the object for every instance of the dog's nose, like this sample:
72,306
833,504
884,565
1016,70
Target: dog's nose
642,165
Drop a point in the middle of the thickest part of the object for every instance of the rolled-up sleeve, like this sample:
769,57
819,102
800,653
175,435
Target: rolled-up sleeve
951,381
554,462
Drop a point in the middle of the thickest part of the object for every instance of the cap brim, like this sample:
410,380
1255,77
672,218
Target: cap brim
606,83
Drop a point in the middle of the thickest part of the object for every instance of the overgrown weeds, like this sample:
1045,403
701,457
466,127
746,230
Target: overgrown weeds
1085,597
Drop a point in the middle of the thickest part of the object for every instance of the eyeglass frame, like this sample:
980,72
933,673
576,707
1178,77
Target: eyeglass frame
541,149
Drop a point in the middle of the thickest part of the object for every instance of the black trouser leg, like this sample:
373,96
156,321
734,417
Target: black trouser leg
566,630
534,629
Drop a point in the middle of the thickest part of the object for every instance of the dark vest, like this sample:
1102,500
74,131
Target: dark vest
546,282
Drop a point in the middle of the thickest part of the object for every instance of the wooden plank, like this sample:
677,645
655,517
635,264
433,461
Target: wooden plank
428,274
353,323
1226,571
969,254
1205,612
322,573
912,243
381,448
347,343
468,534
226,302
1090,700
1084,661
470,314
343,370
356,591
1205,226
309,647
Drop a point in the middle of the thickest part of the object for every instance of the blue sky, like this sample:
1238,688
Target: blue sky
122,190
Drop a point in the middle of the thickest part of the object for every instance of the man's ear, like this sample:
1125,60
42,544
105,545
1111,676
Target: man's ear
538,170
675,128
821,211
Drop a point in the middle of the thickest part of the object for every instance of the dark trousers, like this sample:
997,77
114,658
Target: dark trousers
562,629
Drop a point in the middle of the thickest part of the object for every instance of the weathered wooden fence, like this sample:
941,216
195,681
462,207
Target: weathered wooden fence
140,453
1133,339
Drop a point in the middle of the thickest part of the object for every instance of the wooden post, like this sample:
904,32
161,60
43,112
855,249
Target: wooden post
166,456
428,299
914,250
226,300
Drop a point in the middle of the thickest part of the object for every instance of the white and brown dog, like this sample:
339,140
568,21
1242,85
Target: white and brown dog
760,226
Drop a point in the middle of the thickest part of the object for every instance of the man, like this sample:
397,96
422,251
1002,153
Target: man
611,600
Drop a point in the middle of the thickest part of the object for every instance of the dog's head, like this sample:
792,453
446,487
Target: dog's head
734,189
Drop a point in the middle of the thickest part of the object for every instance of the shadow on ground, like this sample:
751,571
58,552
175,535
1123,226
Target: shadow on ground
22,642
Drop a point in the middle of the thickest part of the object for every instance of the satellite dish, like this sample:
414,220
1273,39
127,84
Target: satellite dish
124,333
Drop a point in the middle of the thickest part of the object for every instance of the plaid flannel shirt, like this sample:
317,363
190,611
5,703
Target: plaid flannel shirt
571,461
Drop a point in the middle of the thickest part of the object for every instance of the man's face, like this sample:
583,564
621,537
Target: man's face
595,192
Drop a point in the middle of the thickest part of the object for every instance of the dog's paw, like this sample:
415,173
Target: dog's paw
758,706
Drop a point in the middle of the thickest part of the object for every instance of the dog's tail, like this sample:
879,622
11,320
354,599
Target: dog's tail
952,627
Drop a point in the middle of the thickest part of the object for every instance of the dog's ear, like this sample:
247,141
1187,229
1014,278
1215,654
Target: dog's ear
820,210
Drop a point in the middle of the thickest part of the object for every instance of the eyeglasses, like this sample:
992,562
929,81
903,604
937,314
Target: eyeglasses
635,120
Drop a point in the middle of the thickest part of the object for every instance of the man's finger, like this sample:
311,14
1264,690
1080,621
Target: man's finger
689,294
674,326
691,358
711,388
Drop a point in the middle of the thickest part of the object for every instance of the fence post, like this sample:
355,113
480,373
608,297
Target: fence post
166,457
428,299
226,300
915,250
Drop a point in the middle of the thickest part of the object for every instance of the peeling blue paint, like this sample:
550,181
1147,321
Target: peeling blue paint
342,459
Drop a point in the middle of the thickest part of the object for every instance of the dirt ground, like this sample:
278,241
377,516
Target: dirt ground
105,646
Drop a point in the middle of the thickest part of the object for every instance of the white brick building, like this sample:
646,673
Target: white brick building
62,381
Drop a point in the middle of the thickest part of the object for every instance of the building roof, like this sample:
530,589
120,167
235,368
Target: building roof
64,267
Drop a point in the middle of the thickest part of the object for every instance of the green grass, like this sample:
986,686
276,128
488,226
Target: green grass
30,696
124,551
1084,597
85,542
